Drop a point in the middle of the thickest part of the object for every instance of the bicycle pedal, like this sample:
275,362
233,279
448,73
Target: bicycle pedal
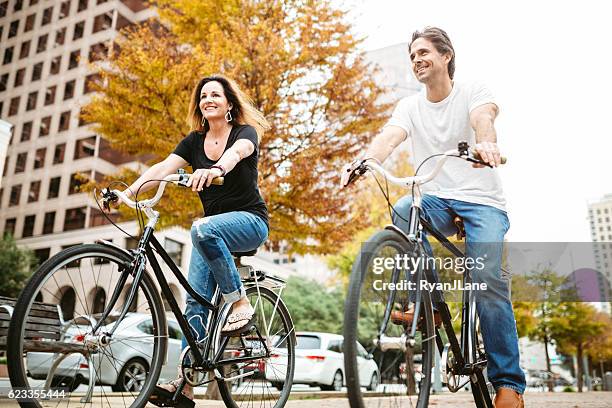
163,398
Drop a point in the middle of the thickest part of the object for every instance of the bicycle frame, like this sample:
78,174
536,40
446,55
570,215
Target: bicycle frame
146,247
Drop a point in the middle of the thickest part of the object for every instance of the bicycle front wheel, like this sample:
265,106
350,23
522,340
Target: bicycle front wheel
53,349
379,285
266,382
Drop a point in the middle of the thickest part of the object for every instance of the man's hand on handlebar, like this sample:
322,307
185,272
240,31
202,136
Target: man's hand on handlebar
489,153
348,173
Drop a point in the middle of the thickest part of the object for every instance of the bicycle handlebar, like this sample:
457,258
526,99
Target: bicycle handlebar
462,152
180,179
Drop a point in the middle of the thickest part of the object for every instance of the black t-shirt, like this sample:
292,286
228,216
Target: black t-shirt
239,192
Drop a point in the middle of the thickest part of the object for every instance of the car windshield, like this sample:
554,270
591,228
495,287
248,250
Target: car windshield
308,342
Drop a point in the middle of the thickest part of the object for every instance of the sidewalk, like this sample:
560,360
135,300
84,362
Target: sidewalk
460,400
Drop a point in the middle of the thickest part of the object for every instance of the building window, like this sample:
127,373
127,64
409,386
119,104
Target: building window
91,81
3,82
39,158
21,162
82,5
69,89
3,8
45,126
98,52
64,9
50,95
9,226
64,121
42,43
97,217
18,5
14,106
42,254
54,186
26,131
102,22
8,56
19,77
13,29
75,218
37,71
76,181
58,155
55,65
28,226
29,24
32,99
85,147
79,29
15,195
34,191
74,59
174,249
24,51
47,15
49,222
60,36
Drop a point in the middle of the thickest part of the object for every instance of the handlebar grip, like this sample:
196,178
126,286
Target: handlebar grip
477,157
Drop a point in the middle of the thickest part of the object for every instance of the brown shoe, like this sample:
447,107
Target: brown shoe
406,318
508,398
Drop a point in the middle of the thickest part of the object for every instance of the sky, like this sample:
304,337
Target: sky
549,64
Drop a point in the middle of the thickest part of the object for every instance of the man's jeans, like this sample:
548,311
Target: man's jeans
214,238
485,227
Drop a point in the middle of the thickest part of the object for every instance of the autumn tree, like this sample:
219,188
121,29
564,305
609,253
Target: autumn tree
297,60
573,326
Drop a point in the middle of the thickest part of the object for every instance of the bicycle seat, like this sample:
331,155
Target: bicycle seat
458,221
240,254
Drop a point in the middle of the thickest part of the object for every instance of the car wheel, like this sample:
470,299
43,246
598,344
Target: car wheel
132,376
278,386
336,384
70,383
373,382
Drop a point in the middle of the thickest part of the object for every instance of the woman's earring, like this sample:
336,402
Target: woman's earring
228,116
203,121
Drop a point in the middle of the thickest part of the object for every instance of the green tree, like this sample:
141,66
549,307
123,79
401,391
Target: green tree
573,326
298,61
313,306
16,265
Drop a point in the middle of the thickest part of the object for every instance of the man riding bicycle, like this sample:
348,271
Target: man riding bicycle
436,119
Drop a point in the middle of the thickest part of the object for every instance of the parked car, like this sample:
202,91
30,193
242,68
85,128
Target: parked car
319,361
131,347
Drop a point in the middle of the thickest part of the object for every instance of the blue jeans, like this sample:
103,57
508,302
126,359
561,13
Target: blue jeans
485,227
214,238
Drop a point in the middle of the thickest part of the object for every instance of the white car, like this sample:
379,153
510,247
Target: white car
130,351
319,361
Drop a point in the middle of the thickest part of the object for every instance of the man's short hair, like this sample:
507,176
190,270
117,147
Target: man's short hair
441,41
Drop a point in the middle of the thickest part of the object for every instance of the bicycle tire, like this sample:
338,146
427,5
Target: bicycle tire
375,246
262,395
68,265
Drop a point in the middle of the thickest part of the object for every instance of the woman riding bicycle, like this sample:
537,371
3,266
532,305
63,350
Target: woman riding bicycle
223,142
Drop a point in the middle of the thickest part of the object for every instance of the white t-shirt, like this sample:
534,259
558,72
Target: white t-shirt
437,127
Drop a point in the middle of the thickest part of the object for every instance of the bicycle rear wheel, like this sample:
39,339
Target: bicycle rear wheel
267,381
125,367
404,373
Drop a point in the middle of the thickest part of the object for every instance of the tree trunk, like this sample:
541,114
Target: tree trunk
549,379
580,366
410,380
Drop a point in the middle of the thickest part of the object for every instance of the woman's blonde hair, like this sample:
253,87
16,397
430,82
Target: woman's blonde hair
243,112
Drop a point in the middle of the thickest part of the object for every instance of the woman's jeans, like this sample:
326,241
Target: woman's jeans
485,227
214,238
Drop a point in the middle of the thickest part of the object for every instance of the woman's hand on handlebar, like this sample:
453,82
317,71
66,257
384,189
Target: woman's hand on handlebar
203,178
489,153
